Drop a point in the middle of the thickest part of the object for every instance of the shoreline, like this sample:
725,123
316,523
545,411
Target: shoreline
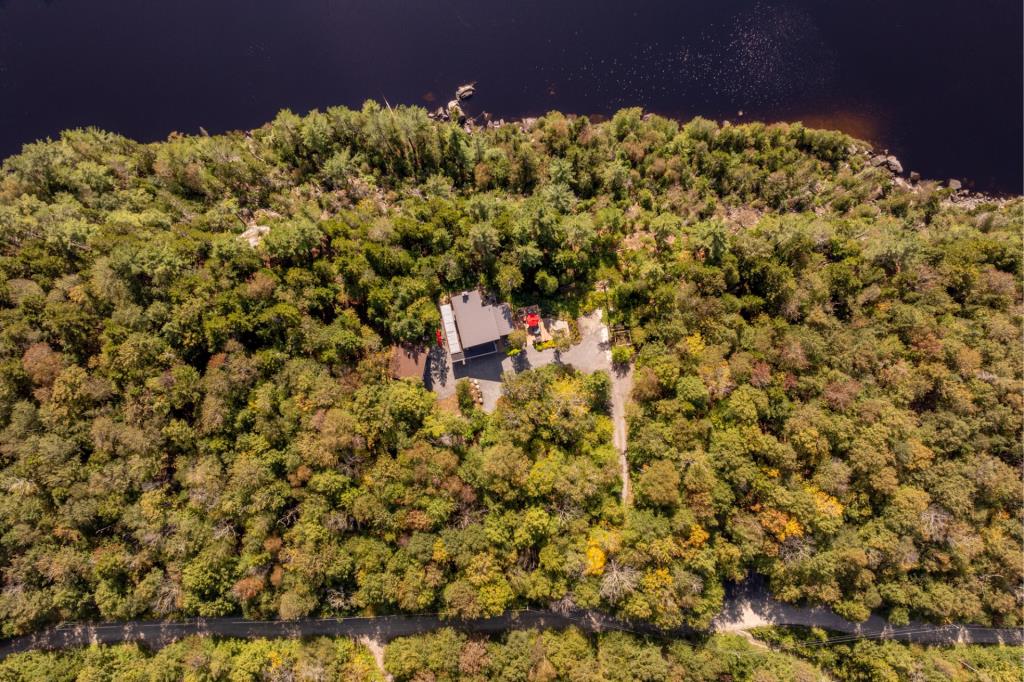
526,122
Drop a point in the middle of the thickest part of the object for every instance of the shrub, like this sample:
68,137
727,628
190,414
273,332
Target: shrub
464,394
622,355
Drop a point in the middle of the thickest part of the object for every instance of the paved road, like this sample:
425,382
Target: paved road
385,628
380,629
749,606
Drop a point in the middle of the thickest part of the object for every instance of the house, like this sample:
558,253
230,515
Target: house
474,327
408,361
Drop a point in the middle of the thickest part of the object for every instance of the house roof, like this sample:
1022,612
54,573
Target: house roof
480,322
451,332
408,361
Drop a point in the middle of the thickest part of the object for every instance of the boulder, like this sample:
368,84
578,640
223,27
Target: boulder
887,161
254,235
954,184
915,177
455,112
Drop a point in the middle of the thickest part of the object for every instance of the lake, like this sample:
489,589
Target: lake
937,82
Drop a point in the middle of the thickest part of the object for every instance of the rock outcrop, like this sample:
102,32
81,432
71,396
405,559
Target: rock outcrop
887,161
254,235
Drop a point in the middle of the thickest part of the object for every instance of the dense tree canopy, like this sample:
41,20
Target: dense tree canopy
827,374
523,656
571,656
200,658
835,402
889,661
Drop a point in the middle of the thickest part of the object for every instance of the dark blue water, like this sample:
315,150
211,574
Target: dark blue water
938,82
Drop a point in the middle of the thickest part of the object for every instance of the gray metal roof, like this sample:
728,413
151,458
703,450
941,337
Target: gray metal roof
479,322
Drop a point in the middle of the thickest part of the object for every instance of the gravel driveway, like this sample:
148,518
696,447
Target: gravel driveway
593,353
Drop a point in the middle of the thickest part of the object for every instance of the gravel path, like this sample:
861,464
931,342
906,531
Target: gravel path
376,648
594,353
622,389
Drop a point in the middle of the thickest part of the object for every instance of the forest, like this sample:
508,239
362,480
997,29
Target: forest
523,656
571,656
827,362
201,658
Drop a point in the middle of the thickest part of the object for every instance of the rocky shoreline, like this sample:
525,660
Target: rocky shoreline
959,195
